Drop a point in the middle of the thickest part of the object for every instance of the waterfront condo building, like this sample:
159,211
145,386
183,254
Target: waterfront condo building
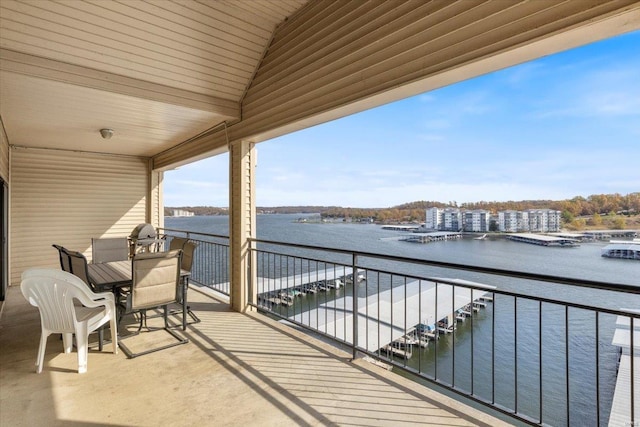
451,219
476,220
511,221
544,220
534,220
433,219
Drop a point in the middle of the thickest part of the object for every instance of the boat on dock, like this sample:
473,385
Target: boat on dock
348,279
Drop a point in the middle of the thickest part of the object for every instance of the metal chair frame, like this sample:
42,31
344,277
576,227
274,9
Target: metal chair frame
129,304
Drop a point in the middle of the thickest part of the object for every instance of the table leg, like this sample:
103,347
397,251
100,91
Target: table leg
185,285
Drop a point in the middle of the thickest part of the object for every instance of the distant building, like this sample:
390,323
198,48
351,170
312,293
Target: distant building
181,212
544,220
434,219
451,219
511,221
532,220
477,220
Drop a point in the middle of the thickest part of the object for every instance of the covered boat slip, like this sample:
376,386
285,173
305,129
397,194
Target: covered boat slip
389,315
543,240
622,249
266,285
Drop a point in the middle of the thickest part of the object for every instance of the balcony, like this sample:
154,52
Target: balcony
238,369
545,357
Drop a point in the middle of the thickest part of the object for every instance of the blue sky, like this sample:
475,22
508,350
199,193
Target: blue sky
562,126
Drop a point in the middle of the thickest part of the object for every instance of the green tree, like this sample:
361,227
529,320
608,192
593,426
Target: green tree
596,219
567,217
619,223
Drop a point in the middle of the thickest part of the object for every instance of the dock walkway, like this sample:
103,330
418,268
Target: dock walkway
622,397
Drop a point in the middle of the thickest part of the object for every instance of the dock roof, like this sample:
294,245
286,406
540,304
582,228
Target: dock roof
540,237
390,314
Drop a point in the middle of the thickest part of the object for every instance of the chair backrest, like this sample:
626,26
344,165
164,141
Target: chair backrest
109,249
187,255
156,277
53,292
78,264
64,258
177,243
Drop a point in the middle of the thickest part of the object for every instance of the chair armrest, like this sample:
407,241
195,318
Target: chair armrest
96,300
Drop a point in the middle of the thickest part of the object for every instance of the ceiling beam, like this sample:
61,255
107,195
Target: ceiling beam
36,66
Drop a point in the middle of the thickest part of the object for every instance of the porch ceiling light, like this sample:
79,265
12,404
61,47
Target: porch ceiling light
106,133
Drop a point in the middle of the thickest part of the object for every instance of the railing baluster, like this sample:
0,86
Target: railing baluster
419,330
472,353
566,355
540,359
354,262
378,316
406,343
437,337
598,369
493,348
632,370
515,353
453,337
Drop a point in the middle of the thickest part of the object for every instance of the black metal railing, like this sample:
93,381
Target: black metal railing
535,347
541,349
210,260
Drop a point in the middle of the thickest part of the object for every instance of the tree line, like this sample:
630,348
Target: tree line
572,209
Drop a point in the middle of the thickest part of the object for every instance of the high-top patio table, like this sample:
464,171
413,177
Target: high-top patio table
110,276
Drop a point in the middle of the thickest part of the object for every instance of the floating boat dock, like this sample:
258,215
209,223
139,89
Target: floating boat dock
382,316
435,236
622,249
281,291
608,234
543,240
401,227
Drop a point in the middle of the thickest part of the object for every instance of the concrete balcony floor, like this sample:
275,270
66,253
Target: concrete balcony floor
237,370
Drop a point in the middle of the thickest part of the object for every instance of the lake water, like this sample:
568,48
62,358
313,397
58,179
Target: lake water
583,262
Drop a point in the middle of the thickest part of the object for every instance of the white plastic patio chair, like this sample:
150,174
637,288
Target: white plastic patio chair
53,292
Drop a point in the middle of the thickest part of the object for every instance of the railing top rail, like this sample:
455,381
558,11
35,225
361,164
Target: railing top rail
199,233
584,283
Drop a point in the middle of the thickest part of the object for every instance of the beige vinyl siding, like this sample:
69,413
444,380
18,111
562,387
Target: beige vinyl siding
192,46
331,59
67,198
156,203
4,154
243,220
